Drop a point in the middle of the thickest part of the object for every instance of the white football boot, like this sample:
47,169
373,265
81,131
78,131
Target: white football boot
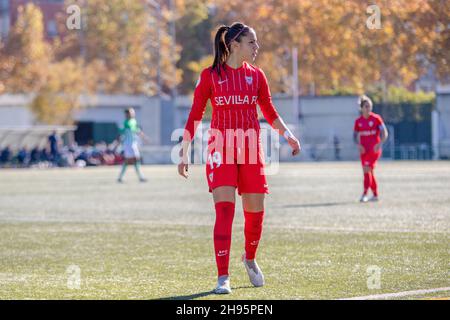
223,285
254,272
364,198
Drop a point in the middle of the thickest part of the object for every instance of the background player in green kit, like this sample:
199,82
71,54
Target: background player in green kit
130,136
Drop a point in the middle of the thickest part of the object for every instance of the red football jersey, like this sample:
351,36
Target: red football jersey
234,96
369,129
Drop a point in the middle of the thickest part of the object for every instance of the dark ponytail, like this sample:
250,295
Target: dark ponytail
221,51
224,36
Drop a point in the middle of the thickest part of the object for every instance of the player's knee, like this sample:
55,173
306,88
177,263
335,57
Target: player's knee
253,203
224,194
254,207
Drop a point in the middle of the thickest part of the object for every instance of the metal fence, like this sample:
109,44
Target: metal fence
420,151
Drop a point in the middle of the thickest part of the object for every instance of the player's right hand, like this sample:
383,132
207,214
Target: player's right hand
183,167
293,142
361,149
295,145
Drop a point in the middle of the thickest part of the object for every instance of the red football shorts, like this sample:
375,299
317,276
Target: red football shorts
369,159
240,167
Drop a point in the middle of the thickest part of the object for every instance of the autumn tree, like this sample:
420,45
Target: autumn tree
336,47
338,52
194,26
25,56
28,66
127,37
67,81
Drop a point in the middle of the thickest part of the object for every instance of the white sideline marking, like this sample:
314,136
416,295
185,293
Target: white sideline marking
398,294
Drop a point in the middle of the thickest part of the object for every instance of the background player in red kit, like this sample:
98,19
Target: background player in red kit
367,130
235,156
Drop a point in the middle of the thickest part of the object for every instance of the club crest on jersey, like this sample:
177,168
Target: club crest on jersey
370,123
249,79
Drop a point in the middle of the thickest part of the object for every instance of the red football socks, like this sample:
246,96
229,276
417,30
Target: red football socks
252,232
222,235
374,186
367,181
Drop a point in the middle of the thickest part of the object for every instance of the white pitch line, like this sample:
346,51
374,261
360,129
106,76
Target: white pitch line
398,294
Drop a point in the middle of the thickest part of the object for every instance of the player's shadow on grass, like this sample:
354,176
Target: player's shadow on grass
318,205
200,294
189,297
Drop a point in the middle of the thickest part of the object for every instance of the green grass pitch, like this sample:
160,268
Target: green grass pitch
154,240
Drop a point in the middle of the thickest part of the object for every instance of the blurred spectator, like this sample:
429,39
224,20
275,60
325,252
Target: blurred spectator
34,156
62,156
54,142
5,156
337,148
22,157
44,156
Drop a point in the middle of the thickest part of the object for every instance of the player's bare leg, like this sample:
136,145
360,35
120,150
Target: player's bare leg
253,204
224,201
224,194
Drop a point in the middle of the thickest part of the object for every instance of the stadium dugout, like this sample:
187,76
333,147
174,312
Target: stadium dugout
16,137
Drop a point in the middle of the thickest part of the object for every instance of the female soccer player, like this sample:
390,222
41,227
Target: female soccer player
235,155
367,135
130,134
